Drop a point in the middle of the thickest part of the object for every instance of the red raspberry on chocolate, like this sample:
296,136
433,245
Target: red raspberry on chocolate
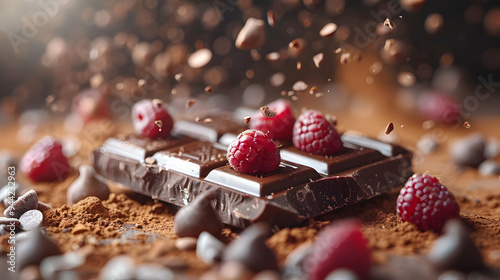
426,203
279,127
439,107
151,119
341,245
45,162
253,152
312,133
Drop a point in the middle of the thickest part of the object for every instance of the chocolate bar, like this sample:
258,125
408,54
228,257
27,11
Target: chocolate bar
179,169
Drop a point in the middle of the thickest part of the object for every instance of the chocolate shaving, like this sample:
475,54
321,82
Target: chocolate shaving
389,128
318,59
271,18
389,23
267,112
246,120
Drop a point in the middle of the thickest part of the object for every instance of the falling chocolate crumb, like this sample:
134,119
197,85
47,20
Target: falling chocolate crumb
174,91
313,89
50,99
197,119
178,77
157,102
291,93
271,18
406,79
295,98
159,123
345,58
318,94
208,89
389,128
318,59
331,119
389,23
283,93
207,120
337,51
388,44
252,35
267,112
200,58
190,102
299,86
150,160
294,44
328,30
141,82
274,56
299,65
466,125
246,119
402,126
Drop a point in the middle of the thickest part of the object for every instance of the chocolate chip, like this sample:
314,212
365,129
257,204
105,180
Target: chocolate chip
271,18
34,248
252,35
26,202
318,59
455,249
42,206
489,167
200,58
120,267
209,248
31,219
87,185
198,216
186,243
251,250
328,30
342,274
468,151
9,222
299,86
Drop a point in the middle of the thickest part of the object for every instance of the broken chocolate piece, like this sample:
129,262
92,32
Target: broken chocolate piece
304,186
87,185
26,202
197,217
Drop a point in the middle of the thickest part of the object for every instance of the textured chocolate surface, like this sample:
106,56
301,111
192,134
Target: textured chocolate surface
286,197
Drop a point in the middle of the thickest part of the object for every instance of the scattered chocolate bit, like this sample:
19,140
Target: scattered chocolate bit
157,102
313,89
434,23
389,128
252,35
412,5
406,79
197,217
9,221
207,120
299,65
209,248
299,86
79,228
337,50
328,30
246,119
345,58
28,201
318,59
389,23
267,112
159,123
150,160
294,44
251,250
31,219
34,248
186,243
197,119
466,125
468,151
455,250
489,167
376,68
271,18
209,89
200,58
141,82
87,185
190,102
178,77
274,56
427,144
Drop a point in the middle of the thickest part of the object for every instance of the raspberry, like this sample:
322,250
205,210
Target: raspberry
279,127
341,245
90,105
426,203
312,133
253,152
151,119
45,162
439,107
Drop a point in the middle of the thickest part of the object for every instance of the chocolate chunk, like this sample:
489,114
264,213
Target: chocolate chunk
87,185
197,217
455,250
251,250
24,203
9,222
252,35
468,151
34,248
489,167
120,267
209,248
31,219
